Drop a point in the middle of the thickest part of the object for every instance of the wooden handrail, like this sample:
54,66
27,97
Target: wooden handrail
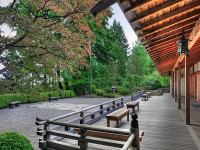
129,142
74,113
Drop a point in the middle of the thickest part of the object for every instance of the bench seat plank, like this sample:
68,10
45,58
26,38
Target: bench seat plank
132,105
16,103
117,115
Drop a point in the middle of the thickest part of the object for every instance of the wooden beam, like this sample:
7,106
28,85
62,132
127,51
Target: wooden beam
102,5
186,24
175,80
194,36
168,40
173,84
138,4
189,7
179,85
172,34
187,89
171,23
155,9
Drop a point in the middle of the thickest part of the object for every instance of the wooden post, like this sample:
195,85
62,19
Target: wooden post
175,80
82,115
179,85
195,86
135,129
83,144
187,88
173,84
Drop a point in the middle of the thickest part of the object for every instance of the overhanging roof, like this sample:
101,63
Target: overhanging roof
159,23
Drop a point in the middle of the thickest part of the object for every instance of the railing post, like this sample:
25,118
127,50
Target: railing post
132,97
83,143
46,137
82,115
101,107
113,105
135,130
43,132
122,101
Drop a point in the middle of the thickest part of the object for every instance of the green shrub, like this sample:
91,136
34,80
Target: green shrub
61,94
100,92
93,88
14,141
109,95
69,93
108,89
7,98
95,91
53,94
123,91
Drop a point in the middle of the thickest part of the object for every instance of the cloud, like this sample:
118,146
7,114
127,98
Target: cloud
4,3
6,31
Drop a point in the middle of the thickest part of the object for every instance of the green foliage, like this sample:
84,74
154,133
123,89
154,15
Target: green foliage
109,95
80,85
107,89
14,141
123,91
69,93
100,92
94,88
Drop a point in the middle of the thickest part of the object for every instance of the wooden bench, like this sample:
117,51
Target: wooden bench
117,115
144,97
149,94
110,136
133,105
16,103
53,98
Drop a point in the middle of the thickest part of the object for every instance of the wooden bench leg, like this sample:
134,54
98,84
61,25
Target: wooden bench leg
117,123
108,122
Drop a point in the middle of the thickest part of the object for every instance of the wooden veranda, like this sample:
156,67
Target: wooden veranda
159,25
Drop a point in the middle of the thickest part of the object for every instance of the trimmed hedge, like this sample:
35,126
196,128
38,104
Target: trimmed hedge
123,91
33,97
108,89
14,141
100,92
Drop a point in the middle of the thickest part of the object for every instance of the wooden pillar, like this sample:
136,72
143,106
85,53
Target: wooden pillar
179,85
195,86
175,80
187,88
173,84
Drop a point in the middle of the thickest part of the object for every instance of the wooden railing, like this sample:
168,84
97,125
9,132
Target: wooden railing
96,112
135,96
49,143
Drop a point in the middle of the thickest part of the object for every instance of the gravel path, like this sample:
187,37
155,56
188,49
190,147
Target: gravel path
22,119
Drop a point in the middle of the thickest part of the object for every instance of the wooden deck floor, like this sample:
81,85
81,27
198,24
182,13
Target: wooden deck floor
164,125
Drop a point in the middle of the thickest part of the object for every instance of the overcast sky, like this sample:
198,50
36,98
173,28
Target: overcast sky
118,16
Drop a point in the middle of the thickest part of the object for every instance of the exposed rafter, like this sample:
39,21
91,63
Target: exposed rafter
138,4
191,6
155,9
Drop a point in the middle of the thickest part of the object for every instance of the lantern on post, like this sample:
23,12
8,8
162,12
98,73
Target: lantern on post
183,45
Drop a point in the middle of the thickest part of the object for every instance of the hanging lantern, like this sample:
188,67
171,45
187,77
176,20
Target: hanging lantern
183,45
